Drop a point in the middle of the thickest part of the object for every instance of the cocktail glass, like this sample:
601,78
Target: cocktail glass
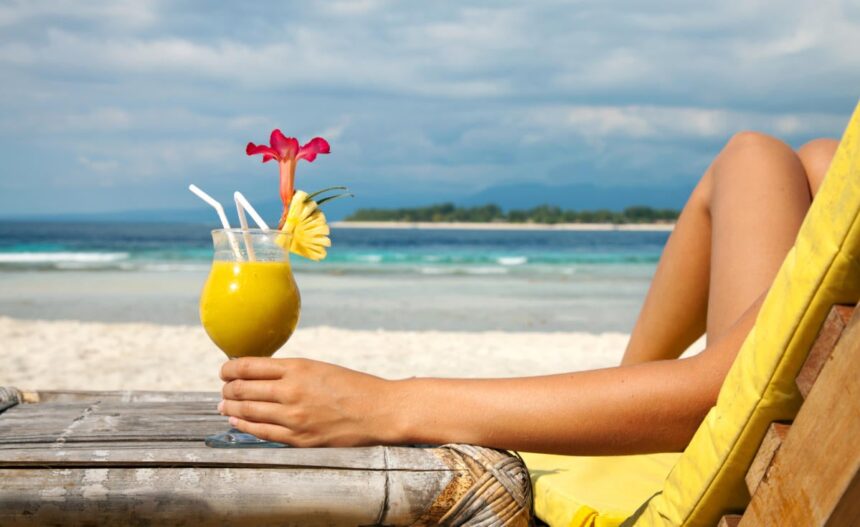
250,304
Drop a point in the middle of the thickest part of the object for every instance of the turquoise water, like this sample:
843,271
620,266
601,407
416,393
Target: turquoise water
398,279
177,247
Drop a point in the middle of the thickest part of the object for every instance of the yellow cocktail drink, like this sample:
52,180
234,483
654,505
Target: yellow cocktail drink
250,308
250,303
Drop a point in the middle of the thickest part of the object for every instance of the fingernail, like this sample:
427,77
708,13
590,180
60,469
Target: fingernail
221,408
233,421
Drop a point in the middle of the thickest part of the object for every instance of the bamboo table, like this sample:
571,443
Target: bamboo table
138,458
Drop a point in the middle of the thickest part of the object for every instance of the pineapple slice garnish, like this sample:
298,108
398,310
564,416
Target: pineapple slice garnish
307,227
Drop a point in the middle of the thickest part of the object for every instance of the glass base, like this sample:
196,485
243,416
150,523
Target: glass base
234,438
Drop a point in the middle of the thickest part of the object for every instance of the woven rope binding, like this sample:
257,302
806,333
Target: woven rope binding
491,488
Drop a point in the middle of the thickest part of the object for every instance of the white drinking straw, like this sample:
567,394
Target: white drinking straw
223,217
247,206
243,221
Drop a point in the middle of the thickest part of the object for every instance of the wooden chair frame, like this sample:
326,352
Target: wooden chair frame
808,472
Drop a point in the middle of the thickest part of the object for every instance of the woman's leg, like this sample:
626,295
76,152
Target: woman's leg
673,315
728,244
760,197
816,156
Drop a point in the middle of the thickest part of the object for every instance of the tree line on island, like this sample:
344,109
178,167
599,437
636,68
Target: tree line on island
549,214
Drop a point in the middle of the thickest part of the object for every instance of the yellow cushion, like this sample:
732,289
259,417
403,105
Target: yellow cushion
707,481
822,269
594,491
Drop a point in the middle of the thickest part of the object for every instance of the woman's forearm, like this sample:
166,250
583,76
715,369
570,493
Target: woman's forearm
643,408
648,407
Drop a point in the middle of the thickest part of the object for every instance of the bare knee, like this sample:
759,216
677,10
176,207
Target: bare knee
748,139
752,159
741,143
816,156
748,162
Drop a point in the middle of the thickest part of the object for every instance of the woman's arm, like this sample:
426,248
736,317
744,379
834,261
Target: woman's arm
641,408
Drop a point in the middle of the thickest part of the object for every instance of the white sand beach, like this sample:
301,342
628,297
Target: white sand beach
42,354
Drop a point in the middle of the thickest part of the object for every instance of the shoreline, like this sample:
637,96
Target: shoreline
504,226
592,300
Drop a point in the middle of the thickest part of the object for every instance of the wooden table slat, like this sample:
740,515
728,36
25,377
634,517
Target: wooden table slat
84,458
197,454
123,396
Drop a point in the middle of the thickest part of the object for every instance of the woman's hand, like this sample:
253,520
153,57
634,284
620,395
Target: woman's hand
308,403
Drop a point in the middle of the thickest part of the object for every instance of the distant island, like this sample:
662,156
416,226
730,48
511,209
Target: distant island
543,214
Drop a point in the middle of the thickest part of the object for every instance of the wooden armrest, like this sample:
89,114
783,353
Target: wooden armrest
773,439
832,329
814,476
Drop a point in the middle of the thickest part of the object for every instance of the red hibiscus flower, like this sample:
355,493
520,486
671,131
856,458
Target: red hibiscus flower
287,152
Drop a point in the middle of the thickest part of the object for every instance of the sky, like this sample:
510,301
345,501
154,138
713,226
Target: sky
118,105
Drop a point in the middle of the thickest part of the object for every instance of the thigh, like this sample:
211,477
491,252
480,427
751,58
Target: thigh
759,197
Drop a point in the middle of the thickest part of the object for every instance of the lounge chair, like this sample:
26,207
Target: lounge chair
707,481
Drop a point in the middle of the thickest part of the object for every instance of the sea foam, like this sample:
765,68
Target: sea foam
61,257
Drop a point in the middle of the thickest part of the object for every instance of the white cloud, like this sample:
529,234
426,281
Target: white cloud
247,122
99,165
464,51
124,13
278,64
673,123
352,7
335,131
106,119
124,161
100,119
801,40
789,125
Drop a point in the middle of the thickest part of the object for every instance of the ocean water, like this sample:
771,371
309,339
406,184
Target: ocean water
187,247
391,279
